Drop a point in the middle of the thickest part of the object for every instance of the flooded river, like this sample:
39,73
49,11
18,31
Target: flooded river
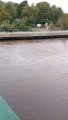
34,78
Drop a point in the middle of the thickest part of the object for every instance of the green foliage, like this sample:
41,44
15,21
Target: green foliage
20,8
28,14
11,10
21,25
27,11
42,12
55,13
23,16
65,21
8,12
59,24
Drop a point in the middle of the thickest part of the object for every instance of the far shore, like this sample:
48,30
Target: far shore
33,35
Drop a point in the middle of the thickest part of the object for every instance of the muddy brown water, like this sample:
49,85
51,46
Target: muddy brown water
34,78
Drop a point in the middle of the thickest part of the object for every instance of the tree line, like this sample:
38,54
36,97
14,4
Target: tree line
15,16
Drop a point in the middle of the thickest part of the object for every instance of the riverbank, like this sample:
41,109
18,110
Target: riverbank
33,35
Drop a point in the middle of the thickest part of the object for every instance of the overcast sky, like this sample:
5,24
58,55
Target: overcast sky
59,3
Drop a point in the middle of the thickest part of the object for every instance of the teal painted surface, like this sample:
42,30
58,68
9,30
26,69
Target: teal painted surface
5,111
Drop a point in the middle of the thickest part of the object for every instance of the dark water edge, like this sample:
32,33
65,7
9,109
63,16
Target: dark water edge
34,78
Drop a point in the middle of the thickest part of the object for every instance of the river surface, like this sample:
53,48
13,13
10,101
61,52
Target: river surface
34,78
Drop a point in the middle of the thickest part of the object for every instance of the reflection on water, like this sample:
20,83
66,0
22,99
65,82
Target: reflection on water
34,78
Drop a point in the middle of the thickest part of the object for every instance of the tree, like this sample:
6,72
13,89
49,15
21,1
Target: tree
20,8
42,12
28,13
2,4
4,15
11,10
55,14
21,25
65,21
27,16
